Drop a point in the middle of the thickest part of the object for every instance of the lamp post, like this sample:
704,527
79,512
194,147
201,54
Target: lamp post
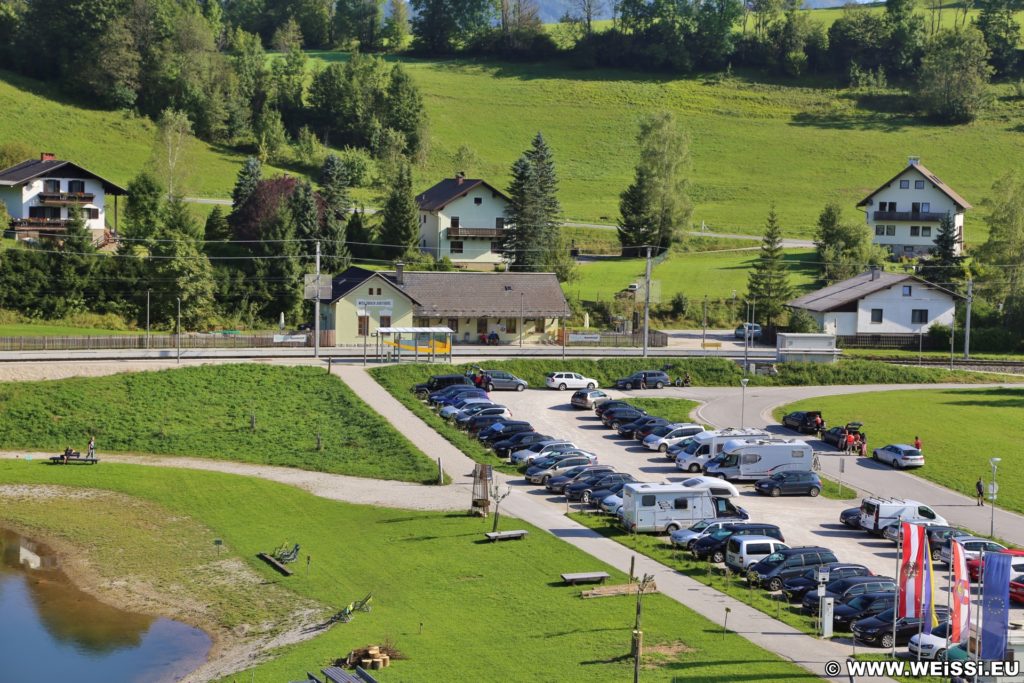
522,298
993,489
743,403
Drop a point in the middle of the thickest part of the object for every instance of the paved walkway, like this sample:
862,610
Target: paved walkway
755,626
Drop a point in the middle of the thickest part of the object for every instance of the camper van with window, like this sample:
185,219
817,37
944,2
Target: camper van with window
878,513
664,508
693,453
753,460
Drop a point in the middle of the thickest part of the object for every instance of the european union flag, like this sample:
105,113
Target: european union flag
995,603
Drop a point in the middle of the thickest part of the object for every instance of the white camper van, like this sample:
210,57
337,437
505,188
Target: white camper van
753,460
878,513
665,508
691,454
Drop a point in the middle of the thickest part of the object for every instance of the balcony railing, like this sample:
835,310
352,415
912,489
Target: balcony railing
487,233
908,216
39,223
66,197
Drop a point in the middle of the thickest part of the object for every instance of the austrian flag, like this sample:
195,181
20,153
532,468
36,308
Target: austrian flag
915,580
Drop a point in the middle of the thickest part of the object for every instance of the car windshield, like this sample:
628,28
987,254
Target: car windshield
690,446
701,525
942,630
774,558
887,615
779,476
661,431
859,602
721,534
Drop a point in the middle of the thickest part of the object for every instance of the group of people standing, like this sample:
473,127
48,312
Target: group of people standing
91,453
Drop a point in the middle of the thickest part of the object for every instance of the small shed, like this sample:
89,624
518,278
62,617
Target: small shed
806,348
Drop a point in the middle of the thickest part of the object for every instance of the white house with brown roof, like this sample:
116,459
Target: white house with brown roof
905,212
463,219
879,303
38,193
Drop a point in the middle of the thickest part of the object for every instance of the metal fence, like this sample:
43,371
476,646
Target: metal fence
655,339
157,341
911,342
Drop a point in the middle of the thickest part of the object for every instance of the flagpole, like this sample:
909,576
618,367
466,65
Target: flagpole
949,594
899,584
981,593
926,554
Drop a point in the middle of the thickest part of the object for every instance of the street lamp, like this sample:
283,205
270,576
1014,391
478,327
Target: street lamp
743,403
993,489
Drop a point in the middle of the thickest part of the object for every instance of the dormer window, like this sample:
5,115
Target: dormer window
907,290
478,200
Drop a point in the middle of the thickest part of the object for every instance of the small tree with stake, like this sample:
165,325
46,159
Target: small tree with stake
498,495
638,637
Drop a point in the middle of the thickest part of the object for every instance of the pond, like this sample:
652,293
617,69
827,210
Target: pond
51,631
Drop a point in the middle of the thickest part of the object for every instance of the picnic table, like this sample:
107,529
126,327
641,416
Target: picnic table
75,459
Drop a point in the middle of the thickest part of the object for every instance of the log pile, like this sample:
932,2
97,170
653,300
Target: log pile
372,657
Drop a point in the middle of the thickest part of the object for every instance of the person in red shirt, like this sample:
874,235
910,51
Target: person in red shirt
850,438
917,442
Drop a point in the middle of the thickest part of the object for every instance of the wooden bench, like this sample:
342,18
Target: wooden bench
585,577
493,536
336,674
73,460
711,345
274,563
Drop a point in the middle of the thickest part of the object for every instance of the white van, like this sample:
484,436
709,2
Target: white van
662,438
878,513
753,460
665,508
693,453
742,552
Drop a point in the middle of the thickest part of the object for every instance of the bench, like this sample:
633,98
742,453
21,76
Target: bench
493,536
310,678
711,345
336,674
274,563
76,459
585,577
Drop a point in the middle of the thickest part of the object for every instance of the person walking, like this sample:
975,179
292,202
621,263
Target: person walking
92,447
917,442
979,487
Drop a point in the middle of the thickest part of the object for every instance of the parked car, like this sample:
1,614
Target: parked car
588,398
478,423
894,532
586,482
797,587
454,393
932,645
773,570
502,430
742,331
466,415
603,489
438,382
452,409
643,432
850,517
939,535
846,614
585,491
1017,589
836,436
845,589
605,406
569,380
684,538
618,416
500,379
900,456
789,483
742,552
515,442
558,484
628,430
563,462
663,438
878,630
802,421
973,547
540,449
612,504
650,379
976,565
713,546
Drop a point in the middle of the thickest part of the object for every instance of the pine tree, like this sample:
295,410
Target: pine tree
142,211
305,215
400,228
945,267
336,256
396,26
404,109
768,282
280,270
248,178
178,219
334,184
184,272
522,239
216,228
550,210
637,224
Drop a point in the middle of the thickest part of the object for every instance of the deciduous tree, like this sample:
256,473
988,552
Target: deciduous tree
953,80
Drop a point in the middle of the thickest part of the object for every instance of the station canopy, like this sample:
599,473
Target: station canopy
415,330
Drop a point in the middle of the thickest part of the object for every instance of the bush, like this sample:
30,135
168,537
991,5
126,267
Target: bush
356,165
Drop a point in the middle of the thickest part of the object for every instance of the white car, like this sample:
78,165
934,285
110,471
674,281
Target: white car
612,504
973,548
663,438
684,538
930,645
569,380
539,450
450,411
899,455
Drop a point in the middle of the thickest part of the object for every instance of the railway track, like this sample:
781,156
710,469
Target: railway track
1014,366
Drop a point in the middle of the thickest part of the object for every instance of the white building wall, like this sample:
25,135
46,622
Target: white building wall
471,215
428,234
31,190
905,198
11,199
897,309
840,324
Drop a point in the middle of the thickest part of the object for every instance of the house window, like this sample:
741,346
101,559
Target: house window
926,231
455,247
876,316
455,221
926,206
46,212
499,223
918,184
453,325
478,200
385,321
539,326
890,231
369,291
496,247
76,186
364,325
511,325
915,231
887,206
904,184
908,290
92,214
419,321
51,186
908,249
481,325
378,291
919,316
879,230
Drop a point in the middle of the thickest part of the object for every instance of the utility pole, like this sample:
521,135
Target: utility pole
178,335
316,307
522,296
704,332
647,301
967,327
147,318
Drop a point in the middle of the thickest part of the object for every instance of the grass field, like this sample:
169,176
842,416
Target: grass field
207,411
960,429
436,587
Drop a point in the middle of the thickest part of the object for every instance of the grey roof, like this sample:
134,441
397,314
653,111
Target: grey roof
35,168
450,189
857,287
471,294
930,177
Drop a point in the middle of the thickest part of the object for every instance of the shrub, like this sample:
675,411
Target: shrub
356,164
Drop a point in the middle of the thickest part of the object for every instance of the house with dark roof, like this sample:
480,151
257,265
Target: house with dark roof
463,219
879,303
470,303
38,193
905,211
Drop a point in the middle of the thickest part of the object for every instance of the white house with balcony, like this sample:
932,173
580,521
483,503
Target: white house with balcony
905,212
879,303
463,219
38,193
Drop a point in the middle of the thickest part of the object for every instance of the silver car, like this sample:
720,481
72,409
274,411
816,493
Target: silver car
684,538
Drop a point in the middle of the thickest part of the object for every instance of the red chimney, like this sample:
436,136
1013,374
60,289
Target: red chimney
47,156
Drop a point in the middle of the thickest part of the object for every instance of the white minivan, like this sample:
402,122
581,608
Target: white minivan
663,438
743,552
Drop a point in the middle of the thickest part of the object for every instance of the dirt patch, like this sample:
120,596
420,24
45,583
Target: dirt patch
668,649
29,492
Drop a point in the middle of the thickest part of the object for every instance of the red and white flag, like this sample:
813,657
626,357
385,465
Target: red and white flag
913,580
960,601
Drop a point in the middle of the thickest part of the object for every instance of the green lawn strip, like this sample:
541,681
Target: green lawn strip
706,573
928,355
960,430
672,409
830,489
207,411
437,588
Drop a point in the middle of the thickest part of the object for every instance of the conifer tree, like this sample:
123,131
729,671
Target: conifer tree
216,228
945,267
400,230
248,178
534,215
768,282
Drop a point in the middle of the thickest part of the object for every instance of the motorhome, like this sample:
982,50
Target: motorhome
878,513
664,508
753,460
693,453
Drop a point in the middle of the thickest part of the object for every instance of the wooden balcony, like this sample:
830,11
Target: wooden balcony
65,198
45,224
924,217
462,232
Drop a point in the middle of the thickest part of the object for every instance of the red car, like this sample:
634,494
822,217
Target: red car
974,567
1017,589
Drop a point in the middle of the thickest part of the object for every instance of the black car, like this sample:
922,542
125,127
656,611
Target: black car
844,615
712,546
797,587
574,489
803,421
878,629
772,571
601,408
585,492
507,429
482,422
618,416
651,379
938,537
604,489
846,589
850,517
789,483
439,382
836,436
504,448
450,393
628,430
558,484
